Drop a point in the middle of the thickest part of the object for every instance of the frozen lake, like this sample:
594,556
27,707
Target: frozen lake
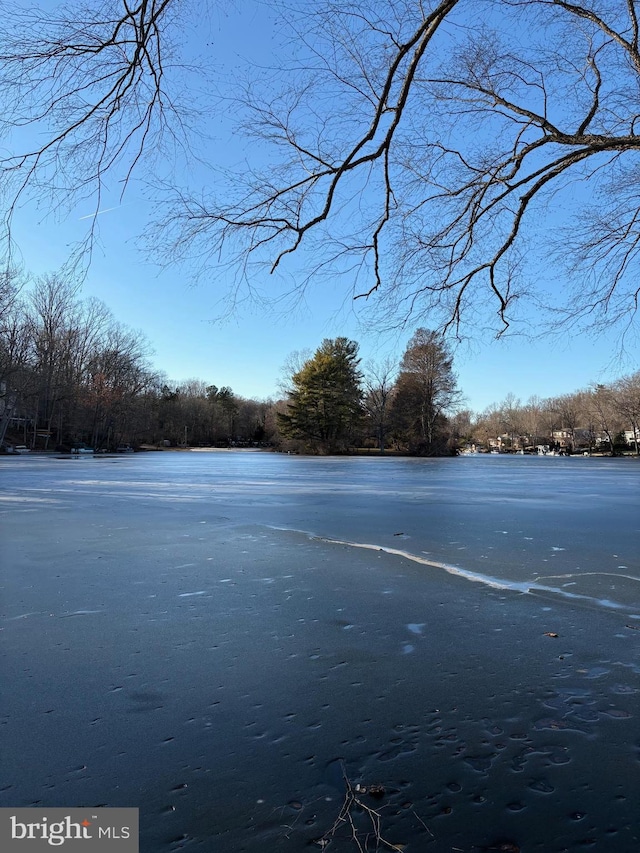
215,637
570,525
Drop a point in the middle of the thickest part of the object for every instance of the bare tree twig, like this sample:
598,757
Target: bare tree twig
353,803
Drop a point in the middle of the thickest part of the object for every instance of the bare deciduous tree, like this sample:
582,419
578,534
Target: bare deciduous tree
293,364
378,391
604,414
428,151
14,345
569,409
432,151
626,399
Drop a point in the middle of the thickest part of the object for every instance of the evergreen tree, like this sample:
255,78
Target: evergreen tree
325,401
426,389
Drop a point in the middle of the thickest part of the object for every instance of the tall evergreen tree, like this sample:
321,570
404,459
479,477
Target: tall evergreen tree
425,391
325,401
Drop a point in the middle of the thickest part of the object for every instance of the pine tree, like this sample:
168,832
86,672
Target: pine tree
325,401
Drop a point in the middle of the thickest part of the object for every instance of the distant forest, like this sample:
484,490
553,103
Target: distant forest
72,375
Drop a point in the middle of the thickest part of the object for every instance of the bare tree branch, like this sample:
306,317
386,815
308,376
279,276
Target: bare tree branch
434,181
83,99
435,154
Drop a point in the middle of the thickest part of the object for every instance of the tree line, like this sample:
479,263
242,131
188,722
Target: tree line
333,405
71,374
416,408
604,417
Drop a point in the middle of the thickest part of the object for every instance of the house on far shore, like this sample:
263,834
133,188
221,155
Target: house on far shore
572,439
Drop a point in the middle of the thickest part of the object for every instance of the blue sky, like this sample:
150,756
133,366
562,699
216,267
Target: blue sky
247,350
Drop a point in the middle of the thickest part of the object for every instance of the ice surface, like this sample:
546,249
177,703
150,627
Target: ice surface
197,635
